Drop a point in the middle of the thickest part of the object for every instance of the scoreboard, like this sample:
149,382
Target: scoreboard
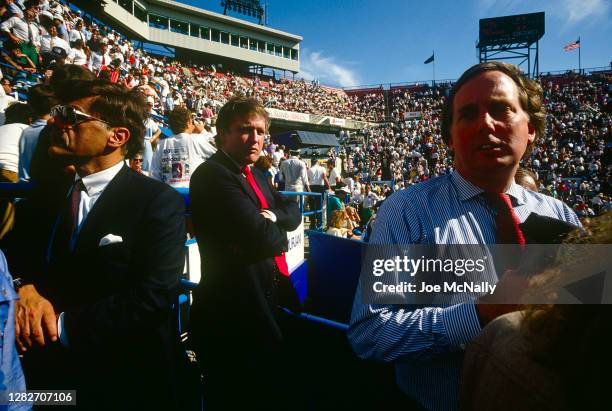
517,28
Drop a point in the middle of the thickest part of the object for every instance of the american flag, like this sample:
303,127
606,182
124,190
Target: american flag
572,46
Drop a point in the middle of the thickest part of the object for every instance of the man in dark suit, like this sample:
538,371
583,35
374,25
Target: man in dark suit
100,263
241,224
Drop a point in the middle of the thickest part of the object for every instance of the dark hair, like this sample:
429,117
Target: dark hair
115,103
68,73
42,99
237,107
529,95
178,119
19,113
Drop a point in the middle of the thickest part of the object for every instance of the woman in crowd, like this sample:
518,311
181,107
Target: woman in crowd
545,357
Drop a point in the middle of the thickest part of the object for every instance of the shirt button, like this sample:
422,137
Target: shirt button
462,346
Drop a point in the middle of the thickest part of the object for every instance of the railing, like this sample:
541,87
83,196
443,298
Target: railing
301,195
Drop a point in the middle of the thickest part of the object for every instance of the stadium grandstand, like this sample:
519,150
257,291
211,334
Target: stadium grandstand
371,141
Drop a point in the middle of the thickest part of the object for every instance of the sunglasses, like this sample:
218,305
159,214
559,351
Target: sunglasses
68,116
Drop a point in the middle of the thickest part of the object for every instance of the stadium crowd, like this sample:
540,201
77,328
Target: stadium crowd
403,146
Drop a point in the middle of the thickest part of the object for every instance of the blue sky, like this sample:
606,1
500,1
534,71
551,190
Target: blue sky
364,42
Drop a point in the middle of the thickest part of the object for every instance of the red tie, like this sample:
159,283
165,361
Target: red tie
280,260
507,222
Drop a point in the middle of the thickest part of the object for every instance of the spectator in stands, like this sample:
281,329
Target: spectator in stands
241,224
295,174
78,33
264,164
179,155
5,98
41,98
18,118
318,184
370,198
118,335
333,176
16,58
49,42
526,178
78,53
337,224
99,58
152,134
136,163
24,32
491,118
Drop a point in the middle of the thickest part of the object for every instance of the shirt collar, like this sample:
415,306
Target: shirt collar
466,190
96,183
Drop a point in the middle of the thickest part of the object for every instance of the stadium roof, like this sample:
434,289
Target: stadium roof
297,138
184,8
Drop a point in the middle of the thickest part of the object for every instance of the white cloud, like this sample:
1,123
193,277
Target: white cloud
577,11
571,12
314,65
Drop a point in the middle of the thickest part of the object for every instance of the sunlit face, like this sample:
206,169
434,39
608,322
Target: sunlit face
490,131
244,138
136,163
82,141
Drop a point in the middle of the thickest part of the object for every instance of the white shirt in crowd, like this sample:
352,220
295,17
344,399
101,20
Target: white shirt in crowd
333,175
19,28
27,146
47,43
178,156
78,57
9,146
294,174
97,60
370,199
78,35
316,174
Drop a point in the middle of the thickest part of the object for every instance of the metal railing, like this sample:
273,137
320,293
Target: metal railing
301,195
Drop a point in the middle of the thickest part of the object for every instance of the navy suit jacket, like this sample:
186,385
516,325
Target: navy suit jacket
124,349
236,301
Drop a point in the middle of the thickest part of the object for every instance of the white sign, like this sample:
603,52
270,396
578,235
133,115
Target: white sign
288,115
412,114
295,253
337,121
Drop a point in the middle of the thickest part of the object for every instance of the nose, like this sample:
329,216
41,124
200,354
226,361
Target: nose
487,122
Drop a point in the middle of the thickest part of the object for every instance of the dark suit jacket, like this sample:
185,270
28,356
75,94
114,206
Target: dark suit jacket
124,348
236,302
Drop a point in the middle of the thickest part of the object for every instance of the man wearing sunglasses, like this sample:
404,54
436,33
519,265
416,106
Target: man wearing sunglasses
103,265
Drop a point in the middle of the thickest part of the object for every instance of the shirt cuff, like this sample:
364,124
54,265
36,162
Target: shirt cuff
461,322
270,214
61,332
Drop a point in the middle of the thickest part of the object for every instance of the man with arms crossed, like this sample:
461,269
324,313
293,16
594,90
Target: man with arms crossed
491,118
241,224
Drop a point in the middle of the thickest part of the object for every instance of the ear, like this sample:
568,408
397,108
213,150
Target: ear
119,137
531,132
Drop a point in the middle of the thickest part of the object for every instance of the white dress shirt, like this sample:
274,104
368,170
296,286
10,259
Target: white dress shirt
19,28
95,184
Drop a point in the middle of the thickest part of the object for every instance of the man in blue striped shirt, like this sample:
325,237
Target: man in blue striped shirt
491,119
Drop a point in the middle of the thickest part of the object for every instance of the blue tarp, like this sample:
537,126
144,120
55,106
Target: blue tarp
297,139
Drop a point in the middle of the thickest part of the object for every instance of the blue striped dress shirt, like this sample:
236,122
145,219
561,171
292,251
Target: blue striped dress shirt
427,343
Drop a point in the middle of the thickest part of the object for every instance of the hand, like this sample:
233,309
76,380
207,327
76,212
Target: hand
35,319
266,215
506,298
198,127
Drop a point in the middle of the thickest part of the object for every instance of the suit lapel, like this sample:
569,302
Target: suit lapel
223,159
103,211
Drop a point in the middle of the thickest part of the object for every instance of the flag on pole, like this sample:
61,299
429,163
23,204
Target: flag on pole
429,60
572,46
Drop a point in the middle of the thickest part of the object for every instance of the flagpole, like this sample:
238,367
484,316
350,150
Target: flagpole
433,67
579,61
